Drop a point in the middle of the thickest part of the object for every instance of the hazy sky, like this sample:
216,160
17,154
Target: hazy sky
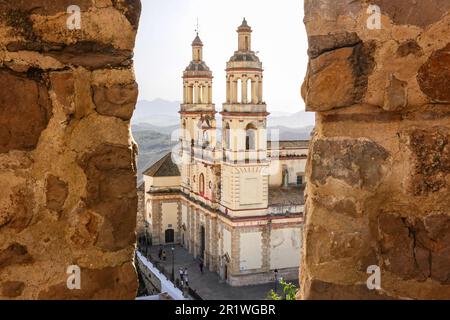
163,48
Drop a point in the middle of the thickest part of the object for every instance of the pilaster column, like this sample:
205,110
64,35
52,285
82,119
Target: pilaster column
179,222
228,90
207,241
214,260
209,93
190,94
234,92
189,231
260,90
266,232
196,93
254,95
205,93
235,251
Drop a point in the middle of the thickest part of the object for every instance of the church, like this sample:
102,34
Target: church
232,195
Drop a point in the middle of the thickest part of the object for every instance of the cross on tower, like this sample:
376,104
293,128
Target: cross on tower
197,27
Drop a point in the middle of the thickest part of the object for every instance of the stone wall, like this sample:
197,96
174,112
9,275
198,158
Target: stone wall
379,163
140,219
67,158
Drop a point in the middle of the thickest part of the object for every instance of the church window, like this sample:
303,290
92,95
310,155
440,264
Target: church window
202,184
250,137
227,136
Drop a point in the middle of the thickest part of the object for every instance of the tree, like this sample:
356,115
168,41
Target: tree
289,292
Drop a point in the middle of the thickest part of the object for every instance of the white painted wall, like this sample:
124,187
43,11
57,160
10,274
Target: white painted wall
184,215
226,242
294,167
250,250
285,248
251,188
169,215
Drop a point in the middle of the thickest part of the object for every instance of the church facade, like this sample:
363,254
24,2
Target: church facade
235,199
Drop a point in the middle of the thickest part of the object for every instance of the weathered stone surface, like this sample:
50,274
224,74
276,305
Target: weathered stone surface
321,290
395,97
57,191
131,9
117,101
63,84
67,165
18,212
43,7
356,162
111,191
409,47
419,13
338,77
98,284
12,289
431,150
15,254
320,44
379,163
417,249
25,110
398,249
434,76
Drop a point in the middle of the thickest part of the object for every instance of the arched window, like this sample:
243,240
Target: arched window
250,137
201,184
226,136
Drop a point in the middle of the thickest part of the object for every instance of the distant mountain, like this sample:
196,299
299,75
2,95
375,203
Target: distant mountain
148,126
156,112
291,133
153,145
164,113
296,120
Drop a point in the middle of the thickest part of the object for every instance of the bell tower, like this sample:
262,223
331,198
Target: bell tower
244,137
197,113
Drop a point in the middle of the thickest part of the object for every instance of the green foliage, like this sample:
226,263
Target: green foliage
289,292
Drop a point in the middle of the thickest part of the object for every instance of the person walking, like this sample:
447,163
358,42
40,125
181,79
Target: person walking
185,277
160,253
201,266
164,255
181,276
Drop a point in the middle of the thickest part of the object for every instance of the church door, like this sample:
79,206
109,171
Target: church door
170,236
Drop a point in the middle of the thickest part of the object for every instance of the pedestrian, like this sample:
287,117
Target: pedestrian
164,255
160,253
180,270
201,266
186,280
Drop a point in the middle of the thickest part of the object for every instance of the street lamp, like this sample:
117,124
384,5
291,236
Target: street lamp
276,279
173,264
146,238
